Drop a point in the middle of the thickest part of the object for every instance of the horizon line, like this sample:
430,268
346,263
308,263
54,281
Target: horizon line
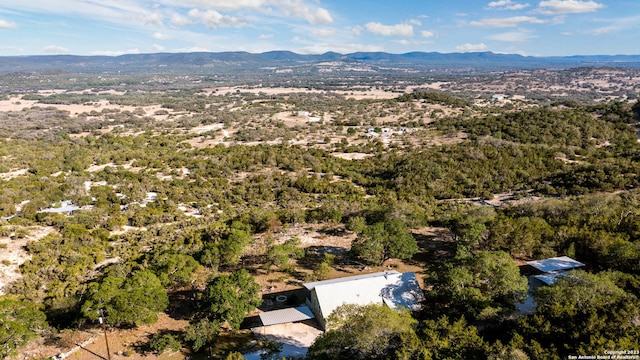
317,54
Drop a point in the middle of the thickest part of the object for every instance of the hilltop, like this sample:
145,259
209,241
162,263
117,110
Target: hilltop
274,61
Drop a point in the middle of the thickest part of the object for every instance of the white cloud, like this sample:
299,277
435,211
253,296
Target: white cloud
605,30
507,22
154,18
11,49
265,36
340,48
323,32
414,22
114,52
4,24
516,37
227,5
53,49
427,34
617,25
295,8
179,20
557,7
213,19
412,42
157,47
317,16
160,36
506,5
193,49
471,47
131,13
389,30
357,30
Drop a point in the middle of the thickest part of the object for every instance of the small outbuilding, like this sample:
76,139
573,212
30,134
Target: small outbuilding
287,315
66,207
549,270
560,263
542,273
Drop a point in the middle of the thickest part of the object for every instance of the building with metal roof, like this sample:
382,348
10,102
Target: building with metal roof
555,264
545,272
66,207
287,315
391,288
550,278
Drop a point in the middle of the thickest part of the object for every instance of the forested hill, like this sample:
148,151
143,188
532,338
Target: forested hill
274,60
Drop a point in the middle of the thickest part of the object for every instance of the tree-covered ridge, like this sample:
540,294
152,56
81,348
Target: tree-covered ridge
435,97
470,169
577,128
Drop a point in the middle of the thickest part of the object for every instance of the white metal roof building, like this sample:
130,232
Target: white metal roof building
551,270
561,263
390,287
66,207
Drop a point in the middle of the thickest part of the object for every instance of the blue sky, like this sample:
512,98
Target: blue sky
114,27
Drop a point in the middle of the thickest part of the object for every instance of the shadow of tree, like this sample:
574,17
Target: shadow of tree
434,249
183,304
315,254
144,347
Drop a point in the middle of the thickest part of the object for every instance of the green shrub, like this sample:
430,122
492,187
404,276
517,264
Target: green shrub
161,342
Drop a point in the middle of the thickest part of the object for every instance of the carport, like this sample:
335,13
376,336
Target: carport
287,315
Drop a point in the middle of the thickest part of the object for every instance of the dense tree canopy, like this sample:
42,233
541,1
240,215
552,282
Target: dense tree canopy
384,240
582,314
133,300
230,297
483,285
368,332
20,321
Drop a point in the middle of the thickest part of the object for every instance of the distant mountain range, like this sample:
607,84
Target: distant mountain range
203,62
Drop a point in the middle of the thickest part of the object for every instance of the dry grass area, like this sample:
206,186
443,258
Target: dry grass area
89,344
372,94
13,174
12,253
351,156
17,103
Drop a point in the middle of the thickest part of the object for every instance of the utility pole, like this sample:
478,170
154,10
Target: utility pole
103,321
209,338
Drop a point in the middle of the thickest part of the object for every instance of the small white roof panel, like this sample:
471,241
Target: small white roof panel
555,264
312,285
550,278
64,209
288,315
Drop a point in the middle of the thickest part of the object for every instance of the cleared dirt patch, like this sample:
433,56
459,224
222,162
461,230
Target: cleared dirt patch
13,174
13,255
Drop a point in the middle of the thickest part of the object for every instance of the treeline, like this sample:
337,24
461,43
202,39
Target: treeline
435,98
578,127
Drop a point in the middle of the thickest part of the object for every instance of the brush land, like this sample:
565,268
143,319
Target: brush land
180,187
